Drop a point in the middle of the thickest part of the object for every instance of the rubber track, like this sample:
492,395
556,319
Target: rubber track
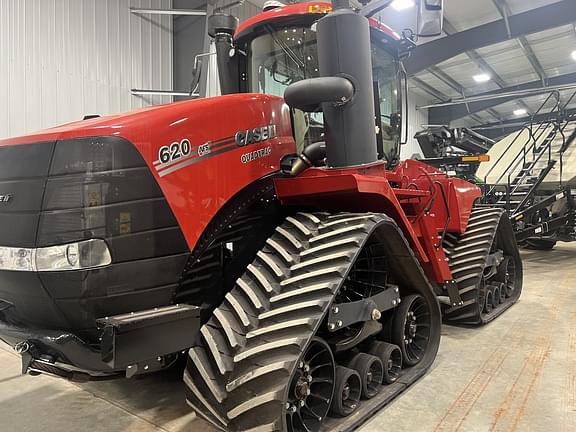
467,257
237,375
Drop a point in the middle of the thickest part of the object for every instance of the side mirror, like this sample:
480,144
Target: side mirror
430,18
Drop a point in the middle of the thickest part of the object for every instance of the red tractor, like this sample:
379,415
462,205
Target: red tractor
278,241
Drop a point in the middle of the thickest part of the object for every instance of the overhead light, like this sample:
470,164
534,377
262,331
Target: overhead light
402,4
574,55
481,78
520,112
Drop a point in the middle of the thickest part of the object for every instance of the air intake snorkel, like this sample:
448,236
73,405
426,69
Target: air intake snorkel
344,89
221,27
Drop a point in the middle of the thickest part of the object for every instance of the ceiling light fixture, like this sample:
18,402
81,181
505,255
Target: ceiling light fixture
402,4
481,78
520,112
574,55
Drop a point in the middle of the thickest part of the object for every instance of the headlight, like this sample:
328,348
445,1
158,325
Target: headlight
71,256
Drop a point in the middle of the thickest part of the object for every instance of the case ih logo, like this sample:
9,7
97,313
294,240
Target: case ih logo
6,198
255,135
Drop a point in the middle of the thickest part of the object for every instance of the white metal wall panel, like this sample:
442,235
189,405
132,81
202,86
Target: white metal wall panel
63,59
247,10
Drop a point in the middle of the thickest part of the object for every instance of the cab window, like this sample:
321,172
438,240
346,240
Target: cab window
283,56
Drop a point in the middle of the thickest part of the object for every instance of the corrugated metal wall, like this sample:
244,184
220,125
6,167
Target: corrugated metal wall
416,118
247,10
62,59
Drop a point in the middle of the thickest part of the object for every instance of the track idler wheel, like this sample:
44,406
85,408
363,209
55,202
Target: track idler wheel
311,387
411,328
346,392
371,371
391,357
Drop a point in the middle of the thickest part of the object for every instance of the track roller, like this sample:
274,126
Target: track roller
265,358
483,257
411,328
496,296
489,301
391,357
371,370
502,293
347,392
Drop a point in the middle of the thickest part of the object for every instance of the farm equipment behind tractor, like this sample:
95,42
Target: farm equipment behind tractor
456,151
531,173
303,285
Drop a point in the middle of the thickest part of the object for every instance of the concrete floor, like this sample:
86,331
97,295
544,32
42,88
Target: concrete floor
516,374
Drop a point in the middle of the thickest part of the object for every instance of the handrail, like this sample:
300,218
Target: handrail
522,202
529,146
532,148
528,125
568,102
534,137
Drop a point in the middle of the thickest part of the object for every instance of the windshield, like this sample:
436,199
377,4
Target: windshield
283,56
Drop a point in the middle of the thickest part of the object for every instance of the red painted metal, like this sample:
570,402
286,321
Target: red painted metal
423,201
195,192
293,10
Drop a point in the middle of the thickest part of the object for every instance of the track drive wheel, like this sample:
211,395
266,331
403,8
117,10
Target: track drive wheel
371,371
411,328
391,357
347,392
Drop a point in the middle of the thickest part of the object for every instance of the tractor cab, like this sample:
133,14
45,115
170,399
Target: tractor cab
278,47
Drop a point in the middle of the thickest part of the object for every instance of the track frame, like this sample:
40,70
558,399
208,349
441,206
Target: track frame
257,335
